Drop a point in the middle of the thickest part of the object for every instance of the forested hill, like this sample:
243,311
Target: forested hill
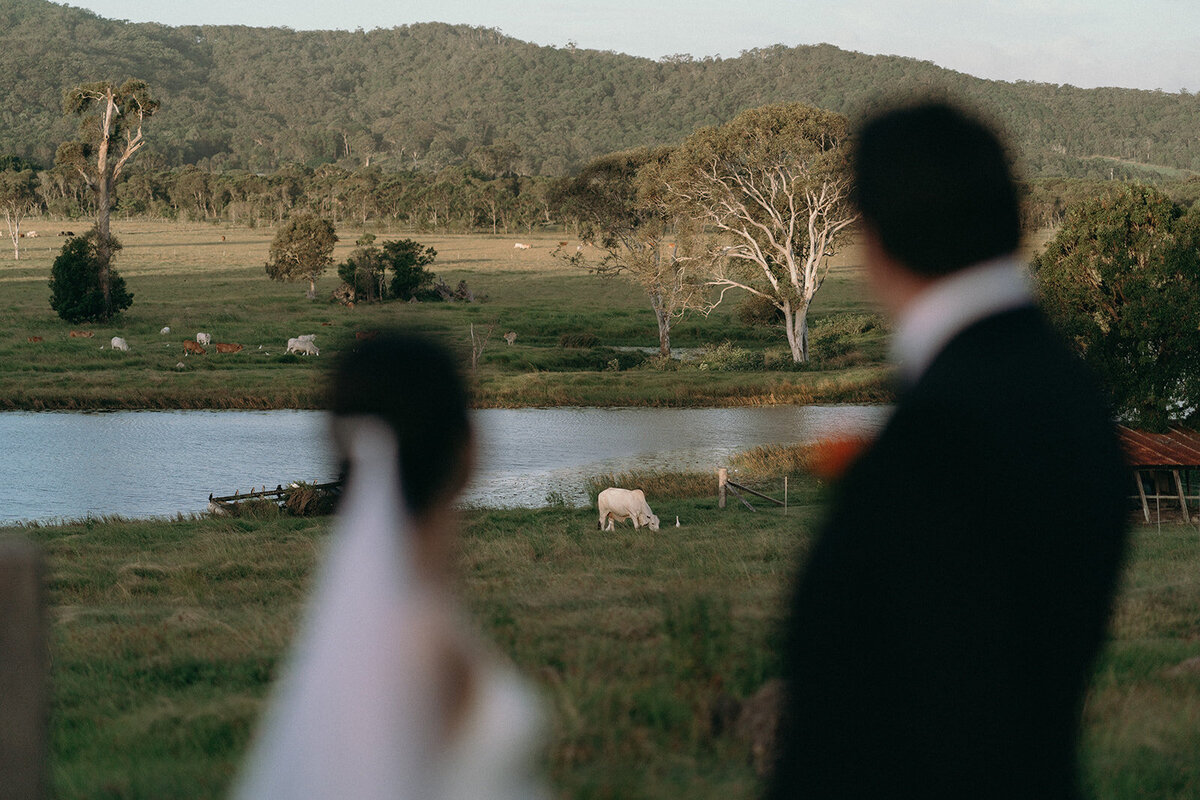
428,95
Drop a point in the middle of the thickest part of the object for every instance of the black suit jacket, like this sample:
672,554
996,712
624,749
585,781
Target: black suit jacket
944,626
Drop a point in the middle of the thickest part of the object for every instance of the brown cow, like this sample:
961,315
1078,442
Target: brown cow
191,346
223,347
82,334
33,339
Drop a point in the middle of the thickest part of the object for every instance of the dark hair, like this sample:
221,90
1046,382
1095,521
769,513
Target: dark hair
934,184
414,385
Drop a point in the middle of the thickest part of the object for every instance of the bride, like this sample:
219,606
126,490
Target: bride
386,693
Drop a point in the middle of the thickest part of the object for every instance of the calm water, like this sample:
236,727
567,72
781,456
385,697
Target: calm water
158,463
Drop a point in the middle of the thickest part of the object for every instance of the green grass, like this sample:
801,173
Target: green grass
166,635
184,276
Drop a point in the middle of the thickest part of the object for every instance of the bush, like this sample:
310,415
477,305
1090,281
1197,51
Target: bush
840,334
757,311
726,357
309,500
407,260
75,292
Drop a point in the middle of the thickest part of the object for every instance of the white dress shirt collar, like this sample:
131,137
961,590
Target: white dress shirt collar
950,305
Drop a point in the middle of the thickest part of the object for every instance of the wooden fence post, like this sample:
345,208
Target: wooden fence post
24,673
722,486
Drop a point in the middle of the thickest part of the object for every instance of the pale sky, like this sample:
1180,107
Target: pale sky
1150,44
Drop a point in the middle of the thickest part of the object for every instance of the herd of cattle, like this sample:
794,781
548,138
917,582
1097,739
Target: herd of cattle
303,345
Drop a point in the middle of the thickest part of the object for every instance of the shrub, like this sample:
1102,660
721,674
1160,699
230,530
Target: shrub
309,500
75,292
726,357
758,311
407,260
840,334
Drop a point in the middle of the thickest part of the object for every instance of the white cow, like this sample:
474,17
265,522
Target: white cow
304,347
619,504
119,344
521,246
165,330
204,338
31,234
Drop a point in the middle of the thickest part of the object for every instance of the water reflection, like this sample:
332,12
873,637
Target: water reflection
156,463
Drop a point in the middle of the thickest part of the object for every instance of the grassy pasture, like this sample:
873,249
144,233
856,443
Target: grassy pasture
200,277
166,634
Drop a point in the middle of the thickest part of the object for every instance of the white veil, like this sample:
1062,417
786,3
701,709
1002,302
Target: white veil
353,715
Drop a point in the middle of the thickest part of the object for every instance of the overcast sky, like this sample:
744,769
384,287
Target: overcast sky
1151,44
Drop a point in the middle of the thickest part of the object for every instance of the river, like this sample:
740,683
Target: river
69,465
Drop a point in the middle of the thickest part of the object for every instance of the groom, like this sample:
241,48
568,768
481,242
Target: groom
944,627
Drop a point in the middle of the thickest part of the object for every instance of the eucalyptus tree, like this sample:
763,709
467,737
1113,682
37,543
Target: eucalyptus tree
771,187
301,250
110,133
1121,279
18,197
611,204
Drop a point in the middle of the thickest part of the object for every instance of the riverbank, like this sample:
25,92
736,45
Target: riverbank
575,343
166,634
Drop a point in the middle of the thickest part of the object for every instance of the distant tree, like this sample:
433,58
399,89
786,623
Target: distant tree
773,188
1121,280
110,133
18,197
301,250
407,259
365,271
611,202
75,291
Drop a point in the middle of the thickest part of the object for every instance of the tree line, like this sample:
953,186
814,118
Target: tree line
427,97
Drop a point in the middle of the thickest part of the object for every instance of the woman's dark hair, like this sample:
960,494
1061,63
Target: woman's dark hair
934,184
414,385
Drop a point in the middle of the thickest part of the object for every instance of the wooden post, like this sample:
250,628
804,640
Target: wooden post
1182,496
1137,478
785,477
722,486
24,673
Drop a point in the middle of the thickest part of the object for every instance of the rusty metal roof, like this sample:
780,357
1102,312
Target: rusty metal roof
1177,447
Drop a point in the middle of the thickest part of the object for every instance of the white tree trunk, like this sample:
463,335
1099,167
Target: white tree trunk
795,322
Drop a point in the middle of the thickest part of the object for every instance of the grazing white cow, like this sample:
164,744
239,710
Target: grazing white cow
618,504
119,344
204,338
304,347
520,246
31,234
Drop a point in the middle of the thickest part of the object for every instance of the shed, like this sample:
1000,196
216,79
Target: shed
1162,457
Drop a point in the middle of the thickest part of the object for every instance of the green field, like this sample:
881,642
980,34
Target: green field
198,277
166,634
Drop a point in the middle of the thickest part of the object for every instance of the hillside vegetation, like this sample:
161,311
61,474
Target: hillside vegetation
427,96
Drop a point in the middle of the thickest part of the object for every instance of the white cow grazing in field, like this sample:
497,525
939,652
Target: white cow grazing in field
521,246
204,338
304,347
619,504
31,234
119,344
